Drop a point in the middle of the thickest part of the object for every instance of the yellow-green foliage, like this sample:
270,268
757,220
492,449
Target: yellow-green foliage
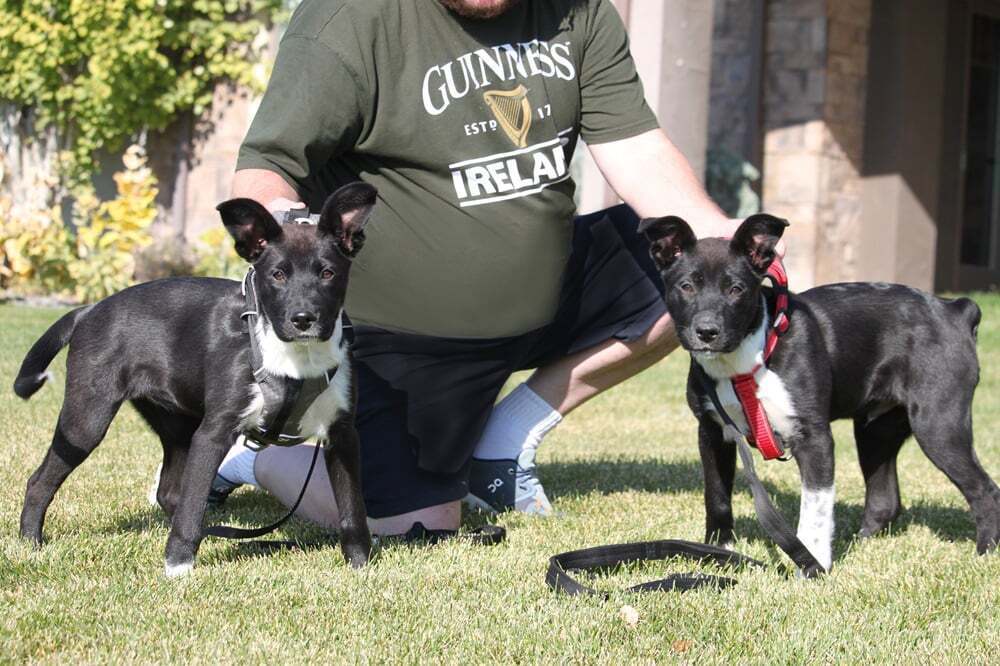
216,257
95,257
104,70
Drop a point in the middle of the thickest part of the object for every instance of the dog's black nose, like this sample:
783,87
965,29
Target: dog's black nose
303,320
707,333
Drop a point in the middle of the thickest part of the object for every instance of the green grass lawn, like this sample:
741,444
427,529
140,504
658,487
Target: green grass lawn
623,468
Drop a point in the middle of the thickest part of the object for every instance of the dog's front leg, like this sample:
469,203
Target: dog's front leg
208,447
813,452
343,463
718,460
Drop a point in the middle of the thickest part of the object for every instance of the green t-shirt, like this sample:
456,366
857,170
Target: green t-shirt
467,129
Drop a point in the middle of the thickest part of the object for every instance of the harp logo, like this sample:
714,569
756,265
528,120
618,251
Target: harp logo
512,111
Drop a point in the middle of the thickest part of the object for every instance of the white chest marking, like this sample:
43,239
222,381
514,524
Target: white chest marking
302,360
299,359
771,391
816,523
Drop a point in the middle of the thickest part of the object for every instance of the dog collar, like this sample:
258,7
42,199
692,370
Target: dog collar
296,216
760,433
286,399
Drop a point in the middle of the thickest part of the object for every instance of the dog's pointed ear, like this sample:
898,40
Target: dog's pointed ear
345,215
756,237
251,226
669,238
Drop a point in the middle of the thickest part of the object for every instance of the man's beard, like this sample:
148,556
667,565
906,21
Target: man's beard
479,9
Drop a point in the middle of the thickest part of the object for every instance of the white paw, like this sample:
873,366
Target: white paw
178,570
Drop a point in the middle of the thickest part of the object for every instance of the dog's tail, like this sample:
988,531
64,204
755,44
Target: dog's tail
967,309
33,372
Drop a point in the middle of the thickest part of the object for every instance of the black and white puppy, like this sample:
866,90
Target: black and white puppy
178,350
894,359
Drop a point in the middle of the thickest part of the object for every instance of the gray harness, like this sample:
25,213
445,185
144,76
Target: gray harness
286,399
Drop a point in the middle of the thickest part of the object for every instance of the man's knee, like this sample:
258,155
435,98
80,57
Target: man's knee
660,338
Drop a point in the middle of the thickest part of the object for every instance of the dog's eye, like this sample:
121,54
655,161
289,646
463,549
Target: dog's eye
686,287
279,276
326,274
736,290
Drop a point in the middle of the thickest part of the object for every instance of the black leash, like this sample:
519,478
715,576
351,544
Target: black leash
601,558
607,557
487,535
230,532
767,515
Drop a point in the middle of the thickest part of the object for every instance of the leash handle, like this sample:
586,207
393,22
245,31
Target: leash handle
607,557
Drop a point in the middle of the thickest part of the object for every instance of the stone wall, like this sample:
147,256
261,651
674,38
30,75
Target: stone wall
814,100
210,177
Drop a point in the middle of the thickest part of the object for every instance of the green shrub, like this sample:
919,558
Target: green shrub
728,179
103,71
93,258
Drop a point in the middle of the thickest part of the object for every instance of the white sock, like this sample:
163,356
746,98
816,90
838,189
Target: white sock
237,467
516,427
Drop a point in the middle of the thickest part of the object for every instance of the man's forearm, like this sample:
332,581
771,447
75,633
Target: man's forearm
265,187
654,178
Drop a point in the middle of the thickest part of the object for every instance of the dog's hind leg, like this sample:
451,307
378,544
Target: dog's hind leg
943,427
175,432
83,422
878,442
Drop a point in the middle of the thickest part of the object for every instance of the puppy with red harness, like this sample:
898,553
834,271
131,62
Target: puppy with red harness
777,368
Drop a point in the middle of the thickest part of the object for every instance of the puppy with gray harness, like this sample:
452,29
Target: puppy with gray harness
206,360
777,368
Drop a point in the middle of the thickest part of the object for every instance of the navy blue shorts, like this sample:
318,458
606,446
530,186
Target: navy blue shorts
423,401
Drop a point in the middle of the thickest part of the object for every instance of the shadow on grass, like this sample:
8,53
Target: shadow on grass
562,479
605,476
947,522
615,475
256,509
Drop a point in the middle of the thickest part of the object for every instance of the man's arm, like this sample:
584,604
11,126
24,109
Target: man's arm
655,179
267,188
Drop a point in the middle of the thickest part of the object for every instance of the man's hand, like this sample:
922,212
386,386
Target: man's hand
267,188
282,204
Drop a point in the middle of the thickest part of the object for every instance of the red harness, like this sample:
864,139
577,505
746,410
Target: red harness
745,386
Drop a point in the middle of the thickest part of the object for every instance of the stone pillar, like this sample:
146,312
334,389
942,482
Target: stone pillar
671,42
814,111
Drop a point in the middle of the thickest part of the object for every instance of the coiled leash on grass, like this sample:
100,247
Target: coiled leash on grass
607,557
